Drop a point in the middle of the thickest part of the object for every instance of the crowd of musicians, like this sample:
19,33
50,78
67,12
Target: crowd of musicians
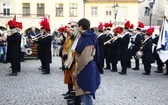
86,53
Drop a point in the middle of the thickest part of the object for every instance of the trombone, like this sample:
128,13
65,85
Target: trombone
38,36
112,39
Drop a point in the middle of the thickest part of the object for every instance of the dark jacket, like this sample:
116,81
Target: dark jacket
114,51
107,46
124,52
137,44
46,49
13,48
147,52
101,40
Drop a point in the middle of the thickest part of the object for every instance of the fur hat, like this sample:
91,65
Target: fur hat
140,25
127,25
118,30
108,26
150,31
100,27
44,23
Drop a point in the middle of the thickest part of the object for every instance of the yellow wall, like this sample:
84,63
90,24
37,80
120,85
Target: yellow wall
132,13
49,5
55,22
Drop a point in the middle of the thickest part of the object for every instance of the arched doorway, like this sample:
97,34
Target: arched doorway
31,50
27,31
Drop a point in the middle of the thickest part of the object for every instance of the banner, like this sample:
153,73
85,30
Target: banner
162,46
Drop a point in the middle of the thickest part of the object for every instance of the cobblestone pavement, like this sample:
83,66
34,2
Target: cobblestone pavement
30,87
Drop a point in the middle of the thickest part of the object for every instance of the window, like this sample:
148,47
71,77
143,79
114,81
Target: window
73,10
122,12
108,11
94,11
6,9
59,9
40,9
26,9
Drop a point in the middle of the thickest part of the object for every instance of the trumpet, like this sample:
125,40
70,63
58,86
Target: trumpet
112,39
38,36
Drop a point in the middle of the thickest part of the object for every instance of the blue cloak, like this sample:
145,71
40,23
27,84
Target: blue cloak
89,78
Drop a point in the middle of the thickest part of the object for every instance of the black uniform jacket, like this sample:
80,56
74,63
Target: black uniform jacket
137,44
147,52
101,40
114,51
124,52
13,48
46,49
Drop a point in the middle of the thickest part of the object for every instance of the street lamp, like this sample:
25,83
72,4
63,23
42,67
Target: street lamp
149,11
115,6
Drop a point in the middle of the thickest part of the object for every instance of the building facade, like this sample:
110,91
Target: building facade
30,12
118,11
60,12
153,16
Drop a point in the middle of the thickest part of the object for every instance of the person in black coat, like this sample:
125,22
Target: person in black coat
13,48
136,42
114,50
101,40
46,57
39,48
124,51
108,36
146,48
160,64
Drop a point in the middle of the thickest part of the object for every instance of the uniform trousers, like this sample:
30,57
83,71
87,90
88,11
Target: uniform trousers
124,66
15,67
147,67
136,62
47,67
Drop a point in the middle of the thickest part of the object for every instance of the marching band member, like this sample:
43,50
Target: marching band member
136,42
13,48
40,48
108,36
101,40
159,62
46,57
146,48
131,33
124,52
114,49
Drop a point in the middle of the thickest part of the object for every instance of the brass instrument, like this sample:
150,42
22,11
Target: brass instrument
140,53
38,36
112,39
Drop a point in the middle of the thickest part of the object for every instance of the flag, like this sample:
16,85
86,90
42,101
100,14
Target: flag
162,46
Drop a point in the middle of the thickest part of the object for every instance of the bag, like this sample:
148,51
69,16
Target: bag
139,54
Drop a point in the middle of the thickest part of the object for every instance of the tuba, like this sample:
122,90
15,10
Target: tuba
139,54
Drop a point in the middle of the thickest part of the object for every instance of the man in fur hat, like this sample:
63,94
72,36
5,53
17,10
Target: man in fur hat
13,48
